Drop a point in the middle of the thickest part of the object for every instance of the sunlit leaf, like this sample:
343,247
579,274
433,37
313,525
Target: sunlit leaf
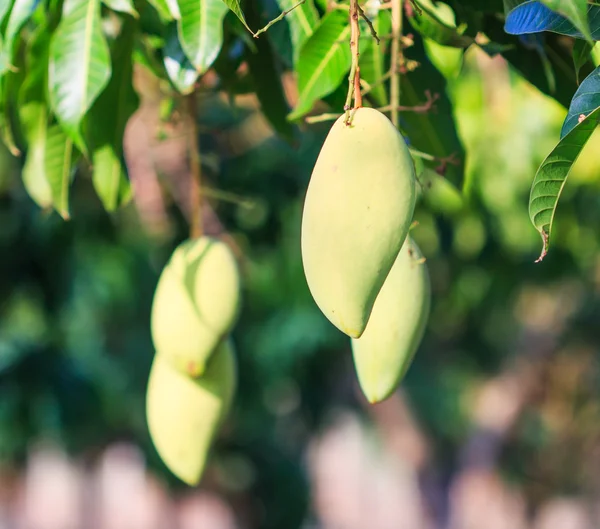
60,157
372,60
167,9
302,21
179,68
552,176
79,64
105,125
19,15
235,7
437,22
200,31
574,10
123,6
324,61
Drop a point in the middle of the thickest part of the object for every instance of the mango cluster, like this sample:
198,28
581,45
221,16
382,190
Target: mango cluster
194,373
363,270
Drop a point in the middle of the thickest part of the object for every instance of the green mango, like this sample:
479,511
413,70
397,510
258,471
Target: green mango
184,414
196,303
384,352
357,211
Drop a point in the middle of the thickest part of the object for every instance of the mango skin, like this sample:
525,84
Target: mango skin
196,303
184,414
357,211
384,352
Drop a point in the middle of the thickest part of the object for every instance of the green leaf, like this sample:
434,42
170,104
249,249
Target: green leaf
324,61
576,11
122,6
34,118
266,78
584,102
180,70
79,65
200,31
582,53
167,9
437,22
234,5
372,60
19,15
106,121
302,21
4,7
552,176
60,157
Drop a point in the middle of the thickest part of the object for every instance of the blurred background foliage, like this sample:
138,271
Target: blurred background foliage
75,298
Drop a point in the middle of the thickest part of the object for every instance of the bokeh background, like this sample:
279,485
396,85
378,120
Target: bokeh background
496,425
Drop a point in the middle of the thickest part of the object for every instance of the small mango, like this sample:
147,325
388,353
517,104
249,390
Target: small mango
184,414
384,352
357,211
196,303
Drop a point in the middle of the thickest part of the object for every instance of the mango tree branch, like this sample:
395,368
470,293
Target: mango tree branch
354,77
275,20
369,23
196,228
395,61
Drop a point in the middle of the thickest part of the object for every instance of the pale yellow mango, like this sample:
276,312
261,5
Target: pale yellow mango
196,303
384,352
184,414
357,212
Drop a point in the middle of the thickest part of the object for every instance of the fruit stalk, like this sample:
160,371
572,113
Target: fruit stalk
196,227
354,77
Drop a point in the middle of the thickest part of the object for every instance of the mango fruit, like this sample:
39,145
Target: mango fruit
184,414
358,208
196,303
384,352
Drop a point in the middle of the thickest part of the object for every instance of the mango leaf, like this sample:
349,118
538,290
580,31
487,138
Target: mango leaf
266,79
19,15
324,61
180,70
433,132
437,22
234,6
167,9
200,30
4,7
372,60
34,118
552,176
574,10
529,16
79,64
122,6
582,54
302,21
59,161
106,121
584,102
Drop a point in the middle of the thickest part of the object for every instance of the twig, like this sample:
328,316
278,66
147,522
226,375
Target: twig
419,109
413,5
354,77
368,21
196,228
275,20
395,60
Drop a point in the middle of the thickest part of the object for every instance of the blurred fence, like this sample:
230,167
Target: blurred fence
357,481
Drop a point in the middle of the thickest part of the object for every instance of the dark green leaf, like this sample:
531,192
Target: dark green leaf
200,31
324,61
79,64
552,176
106,121
582,53
574,10
584,102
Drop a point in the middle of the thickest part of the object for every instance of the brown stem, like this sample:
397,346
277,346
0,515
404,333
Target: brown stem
196,228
